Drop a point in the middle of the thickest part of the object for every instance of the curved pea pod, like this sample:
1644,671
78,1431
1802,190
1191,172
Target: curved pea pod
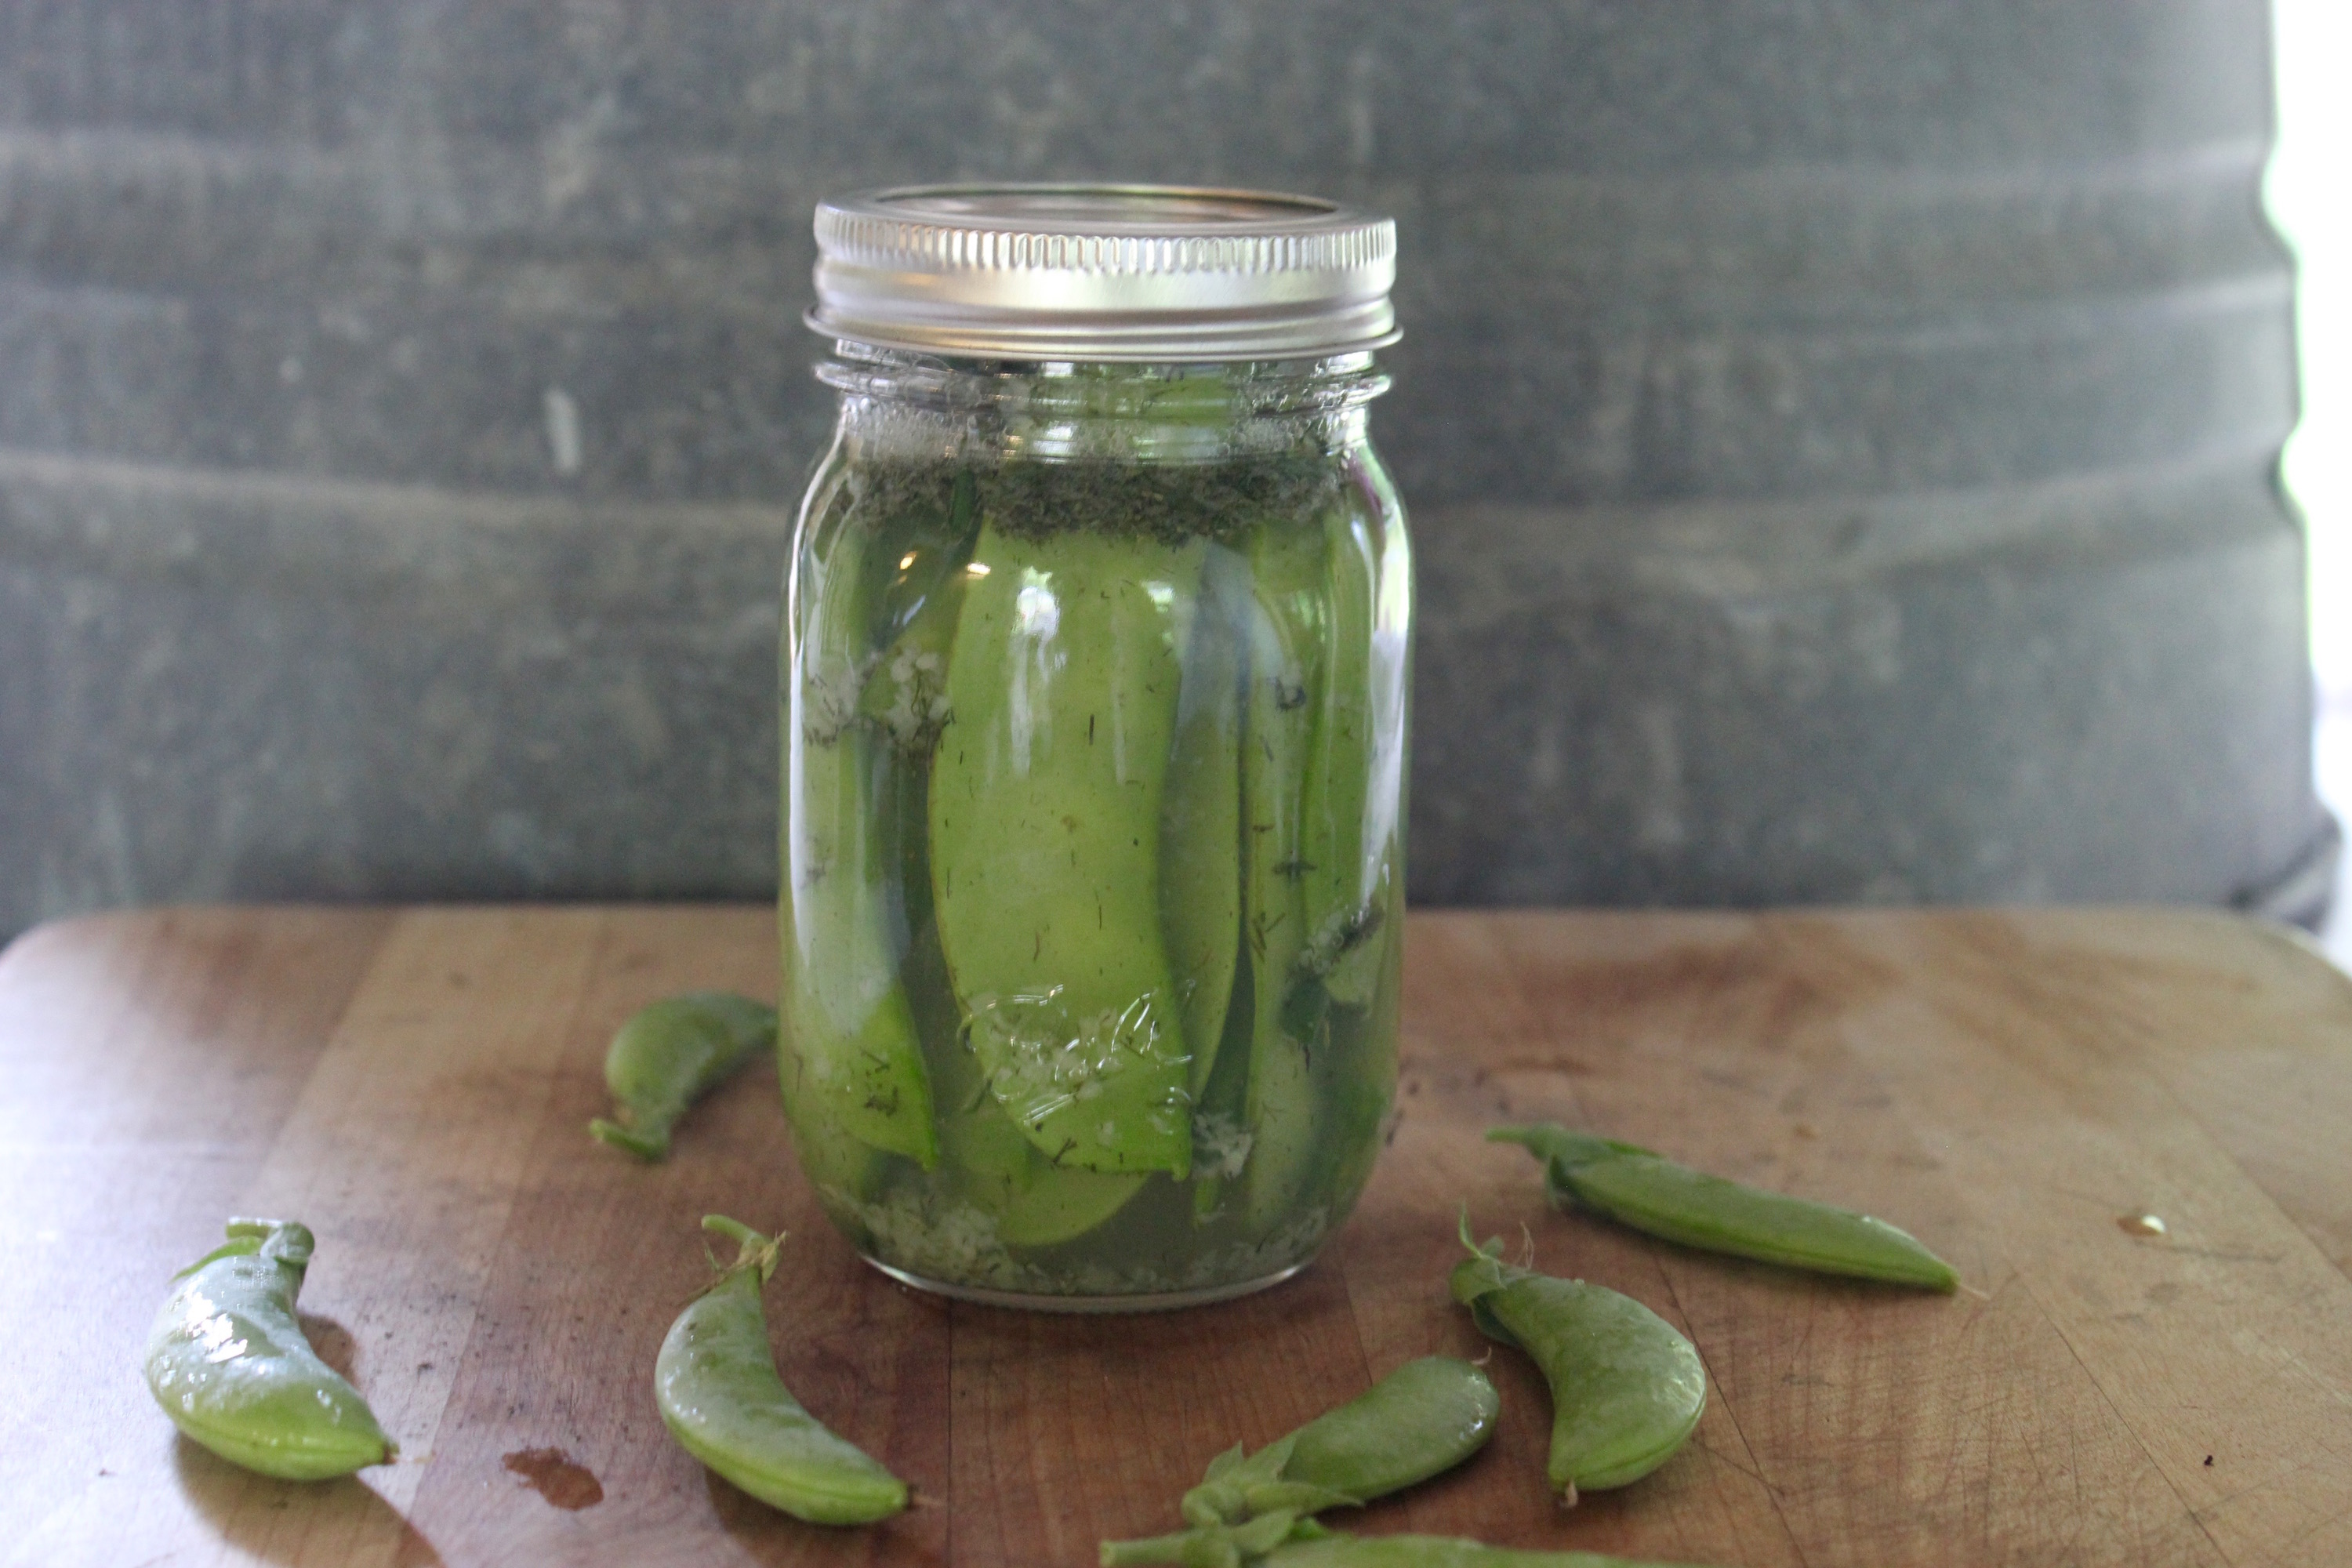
228,1362
716,1384
1034,1202
1421,1420
1284,1541
844,1168
988,1162
1045,818
1346,824
670,1053
1329,1549
850,1020
1221,1135
846,1013
1200,811
1627,1389
1652,1194
1286,662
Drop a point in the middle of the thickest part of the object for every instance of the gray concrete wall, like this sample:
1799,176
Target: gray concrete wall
1840,435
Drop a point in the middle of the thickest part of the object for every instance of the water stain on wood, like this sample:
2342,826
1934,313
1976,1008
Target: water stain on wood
557,1476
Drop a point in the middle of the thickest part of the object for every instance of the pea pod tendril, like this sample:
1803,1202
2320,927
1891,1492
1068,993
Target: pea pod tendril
1643,1189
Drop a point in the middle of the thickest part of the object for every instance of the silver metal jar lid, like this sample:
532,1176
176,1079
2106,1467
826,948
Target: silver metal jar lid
1103,272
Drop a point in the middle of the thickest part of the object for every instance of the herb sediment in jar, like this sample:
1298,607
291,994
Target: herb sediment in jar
1094,733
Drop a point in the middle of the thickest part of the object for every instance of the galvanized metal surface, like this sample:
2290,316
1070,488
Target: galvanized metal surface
1841,437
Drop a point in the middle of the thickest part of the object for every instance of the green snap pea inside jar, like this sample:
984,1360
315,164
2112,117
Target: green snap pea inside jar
1094,729
1092,980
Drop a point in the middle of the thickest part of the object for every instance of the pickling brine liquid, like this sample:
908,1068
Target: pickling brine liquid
1093,885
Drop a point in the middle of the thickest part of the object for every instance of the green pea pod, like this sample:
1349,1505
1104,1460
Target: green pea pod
844,1168
1652,1194
1045,817
921,555
989,1163
228,1362
845,1010
1341,865
1421,1420
1200,831
670,1053
850,1019
1286,667
1329,1549
1034,1202
1304,1544
1221,1135
1627,1389
1213,1546
714,1381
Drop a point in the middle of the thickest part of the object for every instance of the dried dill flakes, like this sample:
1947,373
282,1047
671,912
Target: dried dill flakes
1170,502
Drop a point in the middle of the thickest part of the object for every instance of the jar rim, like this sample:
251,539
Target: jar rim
1103,272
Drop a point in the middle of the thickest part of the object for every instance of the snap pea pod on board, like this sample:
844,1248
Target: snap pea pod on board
1650,1193
1331,1548
1045,815
1421,1419
1627,1389
228,1362
670,1053
714,1381
1283,1539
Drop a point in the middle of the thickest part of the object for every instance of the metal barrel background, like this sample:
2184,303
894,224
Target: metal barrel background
1840,435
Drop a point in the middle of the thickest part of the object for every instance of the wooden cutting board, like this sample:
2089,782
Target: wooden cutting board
414,1084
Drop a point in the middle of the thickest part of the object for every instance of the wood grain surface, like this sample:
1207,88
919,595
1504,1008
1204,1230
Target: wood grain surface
415,1085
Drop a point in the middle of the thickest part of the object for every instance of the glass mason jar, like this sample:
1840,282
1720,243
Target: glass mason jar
1094,711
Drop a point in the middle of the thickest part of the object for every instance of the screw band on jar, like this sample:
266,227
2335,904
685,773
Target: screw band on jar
1118,273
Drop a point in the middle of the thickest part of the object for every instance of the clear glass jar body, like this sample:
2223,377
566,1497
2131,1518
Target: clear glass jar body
1094,722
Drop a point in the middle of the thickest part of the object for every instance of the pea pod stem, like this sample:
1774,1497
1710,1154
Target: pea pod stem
228,1362
1627,1388
716,1385
670,1053
1643,1189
